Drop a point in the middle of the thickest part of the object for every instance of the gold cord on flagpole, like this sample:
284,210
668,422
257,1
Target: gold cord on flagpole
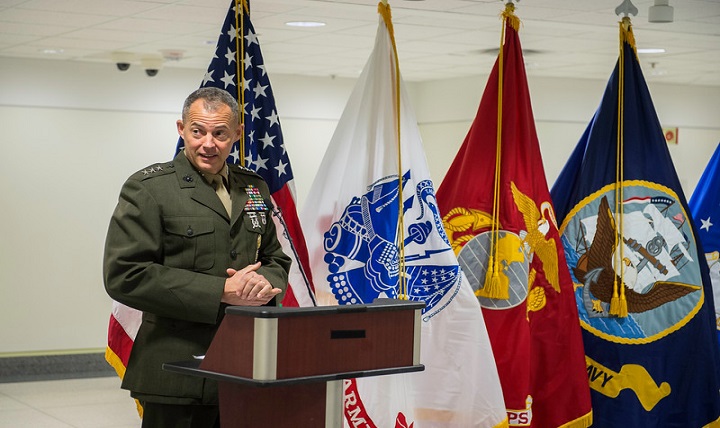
618,303
240,67
384,11
615,300
492,288
622,310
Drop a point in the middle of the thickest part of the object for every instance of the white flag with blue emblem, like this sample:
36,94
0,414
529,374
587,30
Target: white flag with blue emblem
351,222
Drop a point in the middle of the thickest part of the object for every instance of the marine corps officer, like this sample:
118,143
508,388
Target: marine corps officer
175,252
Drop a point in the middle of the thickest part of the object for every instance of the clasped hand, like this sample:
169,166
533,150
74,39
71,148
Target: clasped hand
246,287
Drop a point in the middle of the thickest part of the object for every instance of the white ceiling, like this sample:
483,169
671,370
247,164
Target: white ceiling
436,39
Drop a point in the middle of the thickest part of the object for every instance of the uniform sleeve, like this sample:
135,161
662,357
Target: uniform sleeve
132,268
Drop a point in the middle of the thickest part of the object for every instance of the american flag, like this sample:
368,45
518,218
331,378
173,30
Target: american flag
265,151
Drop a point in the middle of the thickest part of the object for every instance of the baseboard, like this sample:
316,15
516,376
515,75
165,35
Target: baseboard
54,367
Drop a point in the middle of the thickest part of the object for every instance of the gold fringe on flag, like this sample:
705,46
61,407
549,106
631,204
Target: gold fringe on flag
114,360
585,421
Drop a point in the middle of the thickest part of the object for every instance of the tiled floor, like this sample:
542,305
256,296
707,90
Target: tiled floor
72,403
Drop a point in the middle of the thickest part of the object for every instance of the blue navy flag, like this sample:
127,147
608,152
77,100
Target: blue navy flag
238,53
642,288
705,209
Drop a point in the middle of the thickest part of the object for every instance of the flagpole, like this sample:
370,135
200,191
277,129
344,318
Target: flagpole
615,305
384,11
618,302
240,64
492,288
277,212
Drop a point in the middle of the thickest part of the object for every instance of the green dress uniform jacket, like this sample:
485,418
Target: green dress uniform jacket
168,246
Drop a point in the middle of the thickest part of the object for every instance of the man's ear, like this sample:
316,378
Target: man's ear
240,129
180,127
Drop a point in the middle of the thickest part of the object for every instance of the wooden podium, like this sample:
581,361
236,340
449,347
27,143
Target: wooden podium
283,367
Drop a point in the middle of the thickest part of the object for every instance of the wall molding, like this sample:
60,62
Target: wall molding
54,367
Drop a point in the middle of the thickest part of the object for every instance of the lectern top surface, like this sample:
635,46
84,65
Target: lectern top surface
279,312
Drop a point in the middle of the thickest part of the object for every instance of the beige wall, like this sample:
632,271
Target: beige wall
72,132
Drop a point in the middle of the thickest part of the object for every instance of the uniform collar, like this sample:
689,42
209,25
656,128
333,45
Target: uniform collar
223,173
206,176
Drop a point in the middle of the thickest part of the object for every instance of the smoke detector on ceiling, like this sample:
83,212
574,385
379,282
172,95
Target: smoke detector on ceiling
661,12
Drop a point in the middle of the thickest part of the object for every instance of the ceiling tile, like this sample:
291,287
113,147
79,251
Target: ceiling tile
435,38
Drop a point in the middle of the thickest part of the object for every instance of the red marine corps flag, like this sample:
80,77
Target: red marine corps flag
499,218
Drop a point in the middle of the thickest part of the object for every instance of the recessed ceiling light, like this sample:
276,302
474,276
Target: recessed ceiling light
305,24
51,51
496,51
650,50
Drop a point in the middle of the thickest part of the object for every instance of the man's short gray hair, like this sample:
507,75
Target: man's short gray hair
212,98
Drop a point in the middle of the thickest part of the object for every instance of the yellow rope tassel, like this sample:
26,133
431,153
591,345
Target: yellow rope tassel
615,301
623,309
493,288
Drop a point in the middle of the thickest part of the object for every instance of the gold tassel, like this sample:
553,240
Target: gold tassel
618,304
493,287
615,305
623,309
615,301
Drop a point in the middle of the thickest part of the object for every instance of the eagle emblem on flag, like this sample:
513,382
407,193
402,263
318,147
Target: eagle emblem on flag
651,255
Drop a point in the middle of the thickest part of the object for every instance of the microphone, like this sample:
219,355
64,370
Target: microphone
269,204
277,212
271,207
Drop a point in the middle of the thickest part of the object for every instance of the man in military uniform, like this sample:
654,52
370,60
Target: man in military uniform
180,254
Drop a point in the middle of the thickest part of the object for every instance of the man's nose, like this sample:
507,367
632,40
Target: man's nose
208,141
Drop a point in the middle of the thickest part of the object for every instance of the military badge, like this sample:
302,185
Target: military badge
255,200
